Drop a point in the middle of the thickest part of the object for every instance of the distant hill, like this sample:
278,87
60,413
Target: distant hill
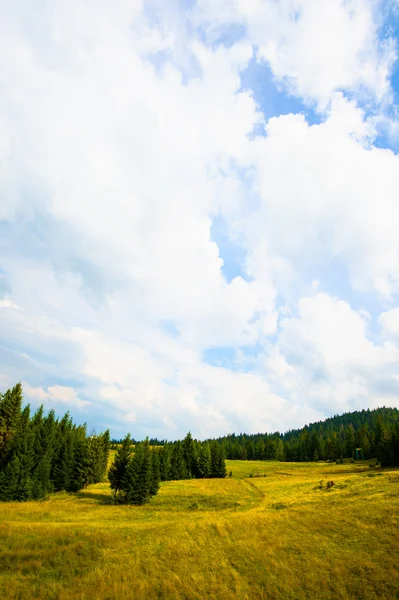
375,432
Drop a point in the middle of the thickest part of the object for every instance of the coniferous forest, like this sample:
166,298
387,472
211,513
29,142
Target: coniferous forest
40,454
137,470
360,434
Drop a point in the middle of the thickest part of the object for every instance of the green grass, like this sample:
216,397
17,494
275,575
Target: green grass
277,535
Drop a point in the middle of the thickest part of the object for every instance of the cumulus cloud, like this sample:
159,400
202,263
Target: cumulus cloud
124,135
314,48
55,396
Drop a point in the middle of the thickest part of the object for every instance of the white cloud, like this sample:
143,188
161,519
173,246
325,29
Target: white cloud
6,303
328,358
315,47
389,322
55,396
120,141
327,195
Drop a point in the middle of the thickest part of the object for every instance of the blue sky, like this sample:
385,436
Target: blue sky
198,211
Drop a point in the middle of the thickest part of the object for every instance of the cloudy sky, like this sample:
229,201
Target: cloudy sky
199,211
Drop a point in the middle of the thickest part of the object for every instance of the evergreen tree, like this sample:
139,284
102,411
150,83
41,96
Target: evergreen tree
350,440
40,454
156,475
189,455
99,446
218,466
164,462
10,412
80,475
118,468
178,467
279,452
204,461
138,483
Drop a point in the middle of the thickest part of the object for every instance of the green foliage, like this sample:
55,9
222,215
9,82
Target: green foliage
135,478
336,438
204,461
137,483
178,467
118,468
218,466
41,454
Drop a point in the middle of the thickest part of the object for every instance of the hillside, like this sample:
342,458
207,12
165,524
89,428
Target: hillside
376,432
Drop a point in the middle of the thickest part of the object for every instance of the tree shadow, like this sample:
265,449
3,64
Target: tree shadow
99,497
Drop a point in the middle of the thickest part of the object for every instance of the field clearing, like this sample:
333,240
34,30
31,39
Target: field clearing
278,534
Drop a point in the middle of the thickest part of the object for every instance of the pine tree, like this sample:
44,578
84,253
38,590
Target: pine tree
98,446
9,480
178,467
156,476
118,468
10,412
349,440
218,466
138,480
204,461
40,454
80,475
189,455
280,452
164,462
22,448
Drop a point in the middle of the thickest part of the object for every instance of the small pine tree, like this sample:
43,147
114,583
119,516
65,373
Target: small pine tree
189,455
178,467
118,468
156,476
164,462
138,480
204,461
80,471
218,465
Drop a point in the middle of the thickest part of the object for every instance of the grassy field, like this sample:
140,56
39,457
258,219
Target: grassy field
272,531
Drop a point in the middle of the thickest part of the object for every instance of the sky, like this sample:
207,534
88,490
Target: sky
199,211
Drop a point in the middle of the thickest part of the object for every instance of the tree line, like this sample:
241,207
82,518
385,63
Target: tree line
40,454
138,469
376,432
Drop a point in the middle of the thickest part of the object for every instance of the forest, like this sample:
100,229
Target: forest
41,454
375,433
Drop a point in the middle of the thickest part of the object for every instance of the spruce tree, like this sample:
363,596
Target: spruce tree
10,412
204,461
189,455
156,475
138,479
178,467
218,466
98,446
80,474
349,440
164,462
118,468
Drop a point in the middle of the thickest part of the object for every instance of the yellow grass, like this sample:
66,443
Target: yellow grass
278,537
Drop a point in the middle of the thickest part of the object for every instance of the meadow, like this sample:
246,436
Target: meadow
271,531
